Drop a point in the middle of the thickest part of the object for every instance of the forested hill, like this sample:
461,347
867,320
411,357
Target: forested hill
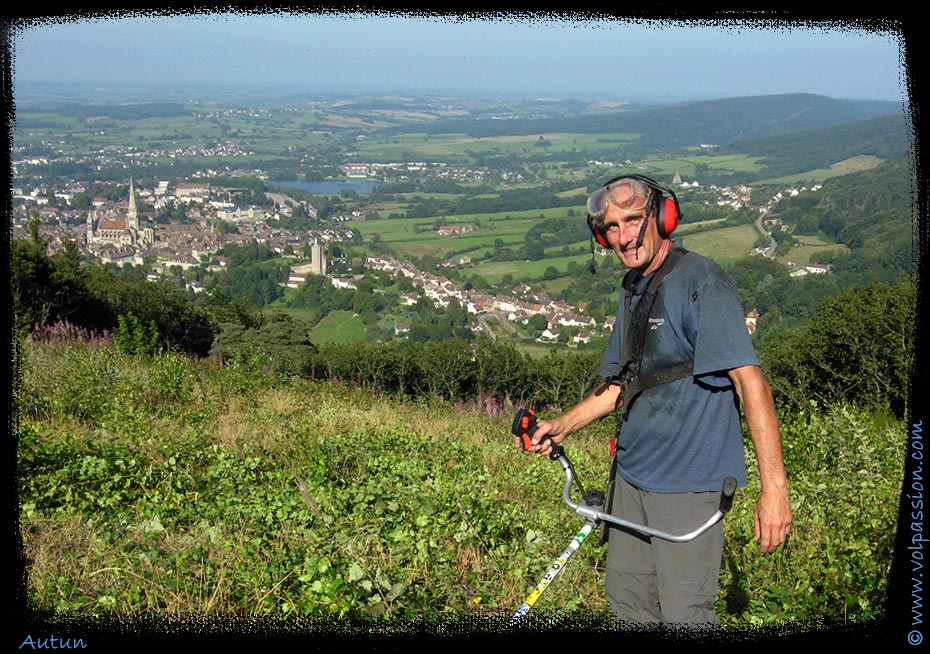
687,124
871,212
886,137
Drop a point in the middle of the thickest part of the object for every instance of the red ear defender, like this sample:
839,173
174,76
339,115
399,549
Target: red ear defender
598,232
668,217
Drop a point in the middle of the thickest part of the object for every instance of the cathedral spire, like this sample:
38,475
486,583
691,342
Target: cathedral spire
132,217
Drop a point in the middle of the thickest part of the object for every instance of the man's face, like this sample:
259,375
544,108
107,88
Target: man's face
624,217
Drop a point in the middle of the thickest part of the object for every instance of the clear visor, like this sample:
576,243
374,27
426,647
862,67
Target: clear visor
622,194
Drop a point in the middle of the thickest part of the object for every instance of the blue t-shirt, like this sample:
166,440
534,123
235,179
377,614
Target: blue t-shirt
685,435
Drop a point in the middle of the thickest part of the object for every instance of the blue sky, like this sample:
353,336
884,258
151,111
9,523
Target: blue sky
505,55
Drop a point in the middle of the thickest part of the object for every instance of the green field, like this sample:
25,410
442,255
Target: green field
458,145
726,245
851,165
494,271
339,327
810,245
295,500
687,166
417,237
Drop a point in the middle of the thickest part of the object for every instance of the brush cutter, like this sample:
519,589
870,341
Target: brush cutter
592,509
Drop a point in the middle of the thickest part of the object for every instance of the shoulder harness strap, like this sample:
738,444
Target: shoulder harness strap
635,338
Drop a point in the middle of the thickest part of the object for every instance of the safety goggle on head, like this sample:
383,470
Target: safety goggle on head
624,193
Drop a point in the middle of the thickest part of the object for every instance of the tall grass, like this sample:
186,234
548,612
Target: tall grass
165,485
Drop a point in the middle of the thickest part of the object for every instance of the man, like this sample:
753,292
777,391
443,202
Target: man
681,433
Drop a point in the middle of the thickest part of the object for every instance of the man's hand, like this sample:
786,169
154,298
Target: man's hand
603,400
772,517
546,434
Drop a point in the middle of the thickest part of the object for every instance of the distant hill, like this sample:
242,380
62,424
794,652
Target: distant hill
116,111
887,137
687,124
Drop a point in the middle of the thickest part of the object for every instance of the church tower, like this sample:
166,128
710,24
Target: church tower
132,217
317,259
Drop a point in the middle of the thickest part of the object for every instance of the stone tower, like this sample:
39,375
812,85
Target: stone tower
132,217
317,259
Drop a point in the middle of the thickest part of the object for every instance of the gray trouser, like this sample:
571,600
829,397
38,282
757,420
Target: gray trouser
651,580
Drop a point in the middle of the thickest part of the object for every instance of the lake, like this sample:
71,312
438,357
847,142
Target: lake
328,187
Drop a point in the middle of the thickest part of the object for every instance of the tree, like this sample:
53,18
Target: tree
858,346
133,338
499,370
373,366
46,290
537,324
180,324
31,274
561,381
445,369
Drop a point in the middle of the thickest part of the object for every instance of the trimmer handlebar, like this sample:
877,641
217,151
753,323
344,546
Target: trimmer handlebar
592,508
524,425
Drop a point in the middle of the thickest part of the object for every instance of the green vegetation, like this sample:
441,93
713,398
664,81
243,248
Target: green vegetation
459,145
164,485
339,327
813,249
725,246
48,290
859,345
747,139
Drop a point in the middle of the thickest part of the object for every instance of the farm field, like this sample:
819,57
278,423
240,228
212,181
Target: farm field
428,145
726,245
810,246
339,327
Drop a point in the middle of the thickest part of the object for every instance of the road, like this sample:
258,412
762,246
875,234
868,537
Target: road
500,316
770,250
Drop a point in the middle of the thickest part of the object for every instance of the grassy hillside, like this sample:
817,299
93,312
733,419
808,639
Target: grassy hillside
169,487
